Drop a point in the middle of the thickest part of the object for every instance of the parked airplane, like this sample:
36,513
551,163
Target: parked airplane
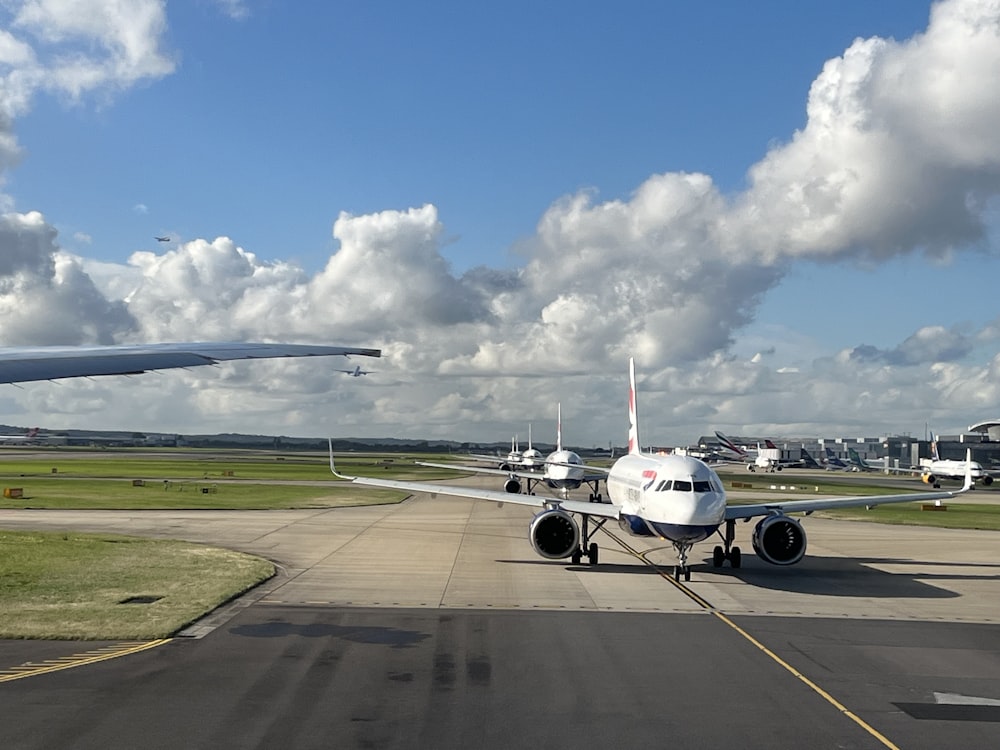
357,372
675,498
562,470
857,463
832,463
767,458
807,461
20,364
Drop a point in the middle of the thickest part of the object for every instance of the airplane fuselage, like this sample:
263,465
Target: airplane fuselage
950,469
676,498
564,470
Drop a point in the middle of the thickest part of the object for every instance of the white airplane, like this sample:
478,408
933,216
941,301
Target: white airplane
357,372
20,364
561,470
765,459
27,437
937,468
678,499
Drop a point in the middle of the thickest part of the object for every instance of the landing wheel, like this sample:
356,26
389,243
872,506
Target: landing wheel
735,557
687,573
677,572
592,553
577,556
718,557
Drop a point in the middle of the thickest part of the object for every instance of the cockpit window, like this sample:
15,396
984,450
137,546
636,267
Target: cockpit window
681,485
664,485
703,486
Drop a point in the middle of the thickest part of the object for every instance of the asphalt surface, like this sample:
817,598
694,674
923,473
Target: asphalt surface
433,624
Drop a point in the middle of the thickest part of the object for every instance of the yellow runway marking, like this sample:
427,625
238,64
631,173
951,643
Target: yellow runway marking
764,649
31,669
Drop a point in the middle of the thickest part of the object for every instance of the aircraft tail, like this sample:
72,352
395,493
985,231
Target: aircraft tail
934,447
769,444
633,422
559,426
729,444
807,460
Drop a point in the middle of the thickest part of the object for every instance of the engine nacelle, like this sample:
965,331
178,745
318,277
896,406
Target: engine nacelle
512,486
987,480
554,534
779,540
929,479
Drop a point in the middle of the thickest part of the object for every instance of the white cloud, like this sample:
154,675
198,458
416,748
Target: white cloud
899,154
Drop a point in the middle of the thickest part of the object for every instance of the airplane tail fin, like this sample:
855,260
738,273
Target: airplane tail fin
769,444
633,422
729,444
559,426
934,447
969,481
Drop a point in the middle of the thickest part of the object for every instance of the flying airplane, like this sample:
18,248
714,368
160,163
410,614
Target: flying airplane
357,372
678,499
562,470
162,239
20,364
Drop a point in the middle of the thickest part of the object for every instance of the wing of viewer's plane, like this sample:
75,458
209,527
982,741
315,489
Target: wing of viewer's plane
19,364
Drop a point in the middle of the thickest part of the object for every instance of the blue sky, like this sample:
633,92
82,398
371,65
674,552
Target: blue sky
275,118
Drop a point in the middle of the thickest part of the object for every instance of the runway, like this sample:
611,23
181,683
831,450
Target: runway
433,624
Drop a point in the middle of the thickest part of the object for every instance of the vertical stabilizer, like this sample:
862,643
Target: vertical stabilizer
559,426
633,420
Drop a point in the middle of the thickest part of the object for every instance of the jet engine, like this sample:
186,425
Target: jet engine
987,480
929,479
779,540
512,486
554,534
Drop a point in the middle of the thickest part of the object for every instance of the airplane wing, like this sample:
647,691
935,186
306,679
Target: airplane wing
807,506
20,364
603,510
480,469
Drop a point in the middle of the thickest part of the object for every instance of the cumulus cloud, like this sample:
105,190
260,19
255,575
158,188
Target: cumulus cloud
899,154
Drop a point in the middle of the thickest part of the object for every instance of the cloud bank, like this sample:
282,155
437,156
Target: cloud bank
900,155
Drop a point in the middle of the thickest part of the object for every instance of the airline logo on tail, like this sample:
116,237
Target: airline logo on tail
633,426
729,444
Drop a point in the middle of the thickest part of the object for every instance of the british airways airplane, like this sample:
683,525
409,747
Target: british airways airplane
561,470
679,499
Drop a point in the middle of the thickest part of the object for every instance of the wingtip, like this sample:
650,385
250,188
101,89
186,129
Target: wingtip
333,466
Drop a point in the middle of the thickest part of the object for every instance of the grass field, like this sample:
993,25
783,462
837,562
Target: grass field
78,586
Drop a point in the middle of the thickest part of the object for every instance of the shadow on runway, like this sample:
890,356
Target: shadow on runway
838,576
584,568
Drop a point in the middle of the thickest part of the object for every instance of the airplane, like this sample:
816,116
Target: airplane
162,239
27,437
357,372
21,364
562,470
937,468
833,463
857,463
757,459
806,461
678,499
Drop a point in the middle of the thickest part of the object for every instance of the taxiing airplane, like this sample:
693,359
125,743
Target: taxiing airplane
357,372
561,470
21,364
678,499
766,458
27,437
934,470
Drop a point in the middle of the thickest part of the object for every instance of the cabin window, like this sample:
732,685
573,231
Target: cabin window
681,485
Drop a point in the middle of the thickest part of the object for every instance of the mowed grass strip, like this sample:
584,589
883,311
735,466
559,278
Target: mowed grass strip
65,585
957,515
121,494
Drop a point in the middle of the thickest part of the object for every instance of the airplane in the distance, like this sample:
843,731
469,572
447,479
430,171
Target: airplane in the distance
357,372
162,239
561,470
27,437
21,364
678,499
935,469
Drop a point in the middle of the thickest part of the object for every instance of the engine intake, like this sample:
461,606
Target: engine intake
929,479
779,540
512,486
554,534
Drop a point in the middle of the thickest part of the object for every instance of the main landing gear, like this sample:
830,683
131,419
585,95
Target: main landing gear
587,548
729,552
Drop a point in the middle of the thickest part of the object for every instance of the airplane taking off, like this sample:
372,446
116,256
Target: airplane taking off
162,239
679,499
357,372
561,470
20,364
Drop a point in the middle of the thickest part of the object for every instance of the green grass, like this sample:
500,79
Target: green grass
957,516
71,586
